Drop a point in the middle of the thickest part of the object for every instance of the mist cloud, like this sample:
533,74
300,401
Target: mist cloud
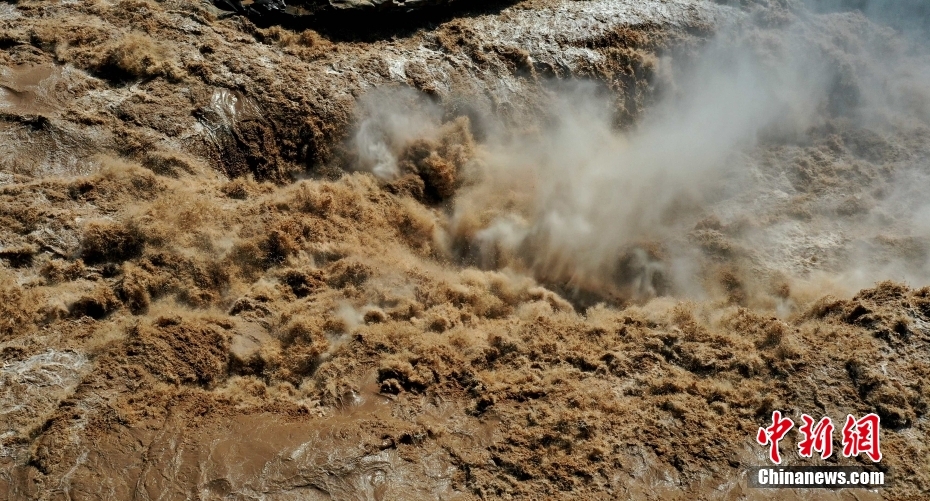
587,208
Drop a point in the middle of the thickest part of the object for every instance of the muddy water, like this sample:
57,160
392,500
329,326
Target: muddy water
230,339
29,89
345,456
262,456
32,96
32,387
319,459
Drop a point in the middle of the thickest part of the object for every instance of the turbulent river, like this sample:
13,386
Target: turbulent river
544,249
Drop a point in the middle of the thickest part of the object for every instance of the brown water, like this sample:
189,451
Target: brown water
29,89
239,263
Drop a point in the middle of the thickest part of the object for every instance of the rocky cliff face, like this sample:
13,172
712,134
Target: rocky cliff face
546,248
